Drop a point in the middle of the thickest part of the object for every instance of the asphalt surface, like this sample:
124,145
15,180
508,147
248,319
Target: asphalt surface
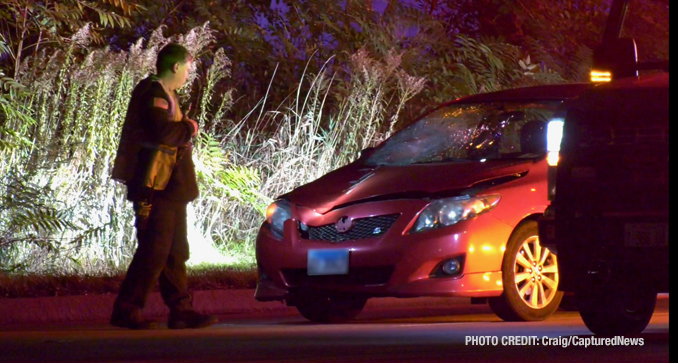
97,308
437,333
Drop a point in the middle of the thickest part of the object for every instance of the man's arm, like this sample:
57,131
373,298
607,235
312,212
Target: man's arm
158,124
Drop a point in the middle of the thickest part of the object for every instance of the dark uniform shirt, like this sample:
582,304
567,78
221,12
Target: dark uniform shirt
148,122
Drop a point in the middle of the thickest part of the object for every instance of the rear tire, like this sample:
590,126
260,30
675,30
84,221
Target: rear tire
329,309
617,313
530,278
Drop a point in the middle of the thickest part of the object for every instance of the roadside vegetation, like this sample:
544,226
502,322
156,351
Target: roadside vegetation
204,277
283,95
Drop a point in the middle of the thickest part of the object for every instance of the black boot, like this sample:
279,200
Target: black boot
131,319
190,319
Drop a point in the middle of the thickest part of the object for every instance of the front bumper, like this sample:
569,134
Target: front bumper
394,264
470,285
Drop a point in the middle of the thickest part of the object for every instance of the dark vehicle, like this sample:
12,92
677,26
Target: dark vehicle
445,207
609,217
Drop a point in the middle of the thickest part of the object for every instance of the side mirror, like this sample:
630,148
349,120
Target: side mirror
614,60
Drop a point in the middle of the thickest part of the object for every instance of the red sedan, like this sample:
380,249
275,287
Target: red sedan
445,207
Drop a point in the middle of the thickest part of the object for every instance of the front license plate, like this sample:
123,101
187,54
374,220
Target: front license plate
328,262
646,234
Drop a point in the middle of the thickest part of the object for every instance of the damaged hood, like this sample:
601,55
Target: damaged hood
357,182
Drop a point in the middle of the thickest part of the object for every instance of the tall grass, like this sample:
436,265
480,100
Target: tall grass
301,143
60,212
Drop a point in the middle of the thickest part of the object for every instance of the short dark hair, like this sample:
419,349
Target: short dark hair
169,55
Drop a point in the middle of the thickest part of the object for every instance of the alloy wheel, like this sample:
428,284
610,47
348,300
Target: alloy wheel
536,273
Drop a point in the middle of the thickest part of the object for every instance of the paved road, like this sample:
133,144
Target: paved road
386,335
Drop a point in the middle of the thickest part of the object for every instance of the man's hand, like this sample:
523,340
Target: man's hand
195,126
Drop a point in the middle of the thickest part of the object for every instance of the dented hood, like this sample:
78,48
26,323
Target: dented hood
357,182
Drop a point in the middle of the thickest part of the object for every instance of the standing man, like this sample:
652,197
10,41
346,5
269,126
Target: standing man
154,162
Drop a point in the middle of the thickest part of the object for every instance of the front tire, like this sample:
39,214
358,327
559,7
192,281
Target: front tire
530,278
329,309
617,313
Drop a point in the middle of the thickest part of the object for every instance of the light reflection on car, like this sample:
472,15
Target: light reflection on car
445,207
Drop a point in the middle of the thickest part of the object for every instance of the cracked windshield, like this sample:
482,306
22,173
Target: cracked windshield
472,132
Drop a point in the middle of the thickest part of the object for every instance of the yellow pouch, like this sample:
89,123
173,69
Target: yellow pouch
161,161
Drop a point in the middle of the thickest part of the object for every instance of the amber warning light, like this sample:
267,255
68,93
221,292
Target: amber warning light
601,76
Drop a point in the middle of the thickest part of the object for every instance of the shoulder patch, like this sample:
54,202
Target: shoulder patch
160,103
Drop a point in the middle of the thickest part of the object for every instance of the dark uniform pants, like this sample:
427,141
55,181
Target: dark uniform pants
161,256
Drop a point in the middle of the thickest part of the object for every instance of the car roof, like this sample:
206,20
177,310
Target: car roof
536,93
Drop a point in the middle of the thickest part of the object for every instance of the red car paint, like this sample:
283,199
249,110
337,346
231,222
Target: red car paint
400,263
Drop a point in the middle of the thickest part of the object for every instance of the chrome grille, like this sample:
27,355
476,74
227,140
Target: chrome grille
362,228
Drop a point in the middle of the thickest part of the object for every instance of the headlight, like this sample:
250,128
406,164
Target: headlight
276,215
446,212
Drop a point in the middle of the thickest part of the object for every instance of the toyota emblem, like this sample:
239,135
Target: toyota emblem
344,224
